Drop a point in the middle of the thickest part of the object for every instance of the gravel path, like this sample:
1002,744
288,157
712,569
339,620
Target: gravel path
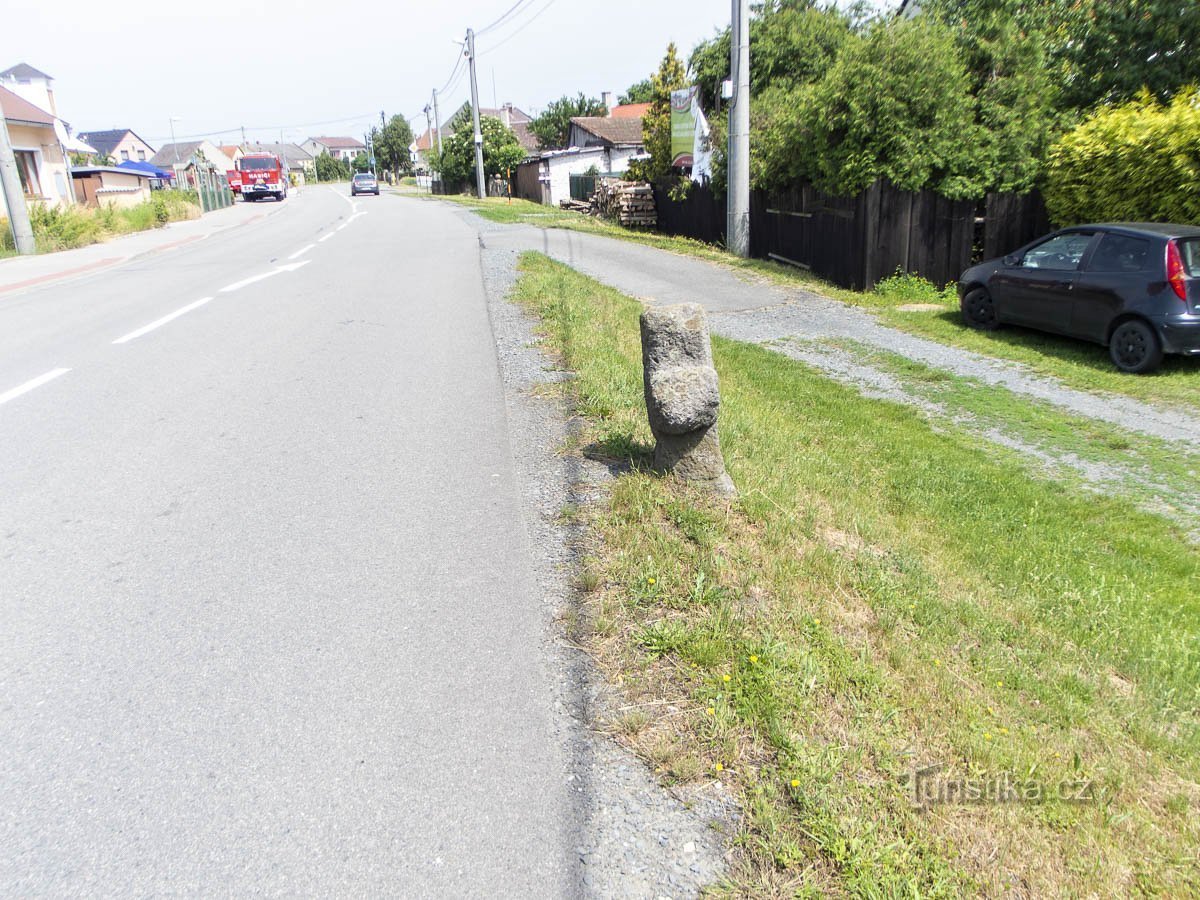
761,312
635,839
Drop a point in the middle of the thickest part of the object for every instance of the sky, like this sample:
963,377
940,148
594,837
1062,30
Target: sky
301,69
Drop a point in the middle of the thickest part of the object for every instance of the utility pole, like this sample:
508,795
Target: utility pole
14,196
737,223
436,127
475,117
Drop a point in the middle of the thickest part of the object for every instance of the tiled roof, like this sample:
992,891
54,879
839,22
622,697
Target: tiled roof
630,111
611,131
340,143
165,157
18,109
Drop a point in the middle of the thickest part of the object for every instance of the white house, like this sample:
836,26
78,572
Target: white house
606,144
344,148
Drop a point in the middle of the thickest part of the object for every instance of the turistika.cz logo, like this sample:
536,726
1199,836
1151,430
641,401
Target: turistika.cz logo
929,788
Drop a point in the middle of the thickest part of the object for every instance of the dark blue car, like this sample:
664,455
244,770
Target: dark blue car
1134,288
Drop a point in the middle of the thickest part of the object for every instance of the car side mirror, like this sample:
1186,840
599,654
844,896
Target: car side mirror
1012,259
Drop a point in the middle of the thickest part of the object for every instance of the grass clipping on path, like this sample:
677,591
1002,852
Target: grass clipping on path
884,597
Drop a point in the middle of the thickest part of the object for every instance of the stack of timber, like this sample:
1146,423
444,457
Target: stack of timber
629,203
574,205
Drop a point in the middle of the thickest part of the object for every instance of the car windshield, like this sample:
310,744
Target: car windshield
1189,251
250,164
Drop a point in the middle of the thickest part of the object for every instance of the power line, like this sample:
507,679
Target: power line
512,9
353,119
513,34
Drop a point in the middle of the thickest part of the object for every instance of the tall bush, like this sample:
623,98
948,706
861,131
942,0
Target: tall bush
1137,162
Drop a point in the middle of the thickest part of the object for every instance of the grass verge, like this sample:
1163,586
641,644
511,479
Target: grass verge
65,228
1159,475
885,597
1077,364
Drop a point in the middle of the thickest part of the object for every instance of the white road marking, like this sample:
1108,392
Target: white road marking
302,251
237,285
31,385
324,239
343,225
158,323
343,196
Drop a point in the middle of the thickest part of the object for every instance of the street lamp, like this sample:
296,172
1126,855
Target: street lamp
175,146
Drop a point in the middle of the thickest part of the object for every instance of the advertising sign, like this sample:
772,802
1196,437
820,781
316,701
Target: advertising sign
685,103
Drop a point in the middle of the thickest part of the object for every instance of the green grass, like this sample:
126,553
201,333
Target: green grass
884,596
1076,364
1157,474
64,228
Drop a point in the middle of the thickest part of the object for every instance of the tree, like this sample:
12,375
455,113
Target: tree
330,169
641,92
553,127
656,124
361,163
793,43
1111,49
391,144
501,152
896,104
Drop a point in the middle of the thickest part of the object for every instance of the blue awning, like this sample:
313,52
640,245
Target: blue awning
147,168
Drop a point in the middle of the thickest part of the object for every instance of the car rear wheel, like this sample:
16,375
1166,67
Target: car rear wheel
1135,348
978,310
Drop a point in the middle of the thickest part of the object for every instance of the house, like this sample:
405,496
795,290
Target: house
185,154
300,163
425,145
343,148
41,160
110,185
233,151
602,144
118,144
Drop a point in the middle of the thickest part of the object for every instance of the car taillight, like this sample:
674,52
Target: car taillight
1175,271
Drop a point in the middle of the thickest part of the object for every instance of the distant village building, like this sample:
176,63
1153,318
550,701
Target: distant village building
344,148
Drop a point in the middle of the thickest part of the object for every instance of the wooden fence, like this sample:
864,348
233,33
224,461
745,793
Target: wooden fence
857,241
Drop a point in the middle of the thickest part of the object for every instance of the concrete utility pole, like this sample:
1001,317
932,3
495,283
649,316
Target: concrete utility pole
475,117
14,196
437,129
738,209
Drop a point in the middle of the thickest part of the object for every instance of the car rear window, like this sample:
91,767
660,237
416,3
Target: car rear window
1189,251
1120,253
364,177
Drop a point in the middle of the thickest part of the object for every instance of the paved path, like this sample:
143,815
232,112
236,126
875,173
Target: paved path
269,618
751,309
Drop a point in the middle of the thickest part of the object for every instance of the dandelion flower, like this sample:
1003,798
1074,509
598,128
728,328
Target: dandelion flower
726,677
937,662
795,782
711,711
991,712
987,735
1003,730
999,684
651,581
753,658
719,767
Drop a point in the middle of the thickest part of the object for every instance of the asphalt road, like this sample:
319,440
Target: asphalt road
269,619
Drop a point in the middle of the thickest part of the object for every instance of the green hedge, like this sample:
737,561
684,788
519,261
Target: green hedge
1138,162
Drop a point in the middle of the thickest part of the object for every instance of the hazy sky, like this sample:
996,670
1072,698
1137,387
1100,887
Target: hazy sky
300,65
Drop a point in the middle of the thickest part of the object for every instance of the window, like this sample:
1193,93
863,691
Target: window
125,156
141,156
27,168
1062,253
1189,250
1119,253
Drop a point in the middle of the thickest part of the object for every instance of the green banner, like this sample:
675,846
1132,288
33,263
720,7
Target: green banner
683,126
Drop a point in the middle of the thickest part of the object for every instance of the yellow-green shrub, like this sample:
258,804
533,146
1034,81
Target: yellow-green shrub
1137,162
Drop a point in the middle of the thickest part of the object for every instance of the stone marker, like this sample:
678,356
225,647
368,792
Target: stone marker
682,395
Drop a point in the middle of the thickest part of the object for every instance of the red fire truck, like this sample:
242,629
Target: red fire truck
234,177
262,175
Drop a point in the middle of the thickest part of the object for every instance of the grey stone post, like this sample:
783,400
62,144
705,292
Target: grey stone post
682,396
